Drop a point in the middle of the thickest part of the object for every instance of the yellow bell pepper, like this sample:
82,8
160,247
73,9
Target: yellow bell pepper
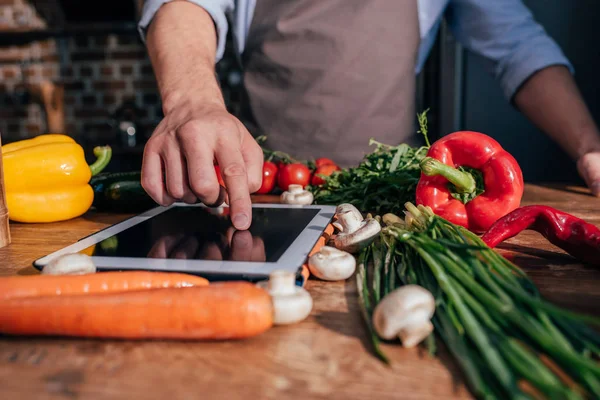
46,178
41,139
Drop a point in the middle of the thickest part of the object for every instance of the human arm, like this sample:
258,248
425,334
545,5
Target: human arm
534,75
197,130
551,100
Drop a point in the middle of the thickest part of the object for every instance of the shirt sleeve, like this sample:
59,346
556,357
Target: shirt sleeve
513,45
217,9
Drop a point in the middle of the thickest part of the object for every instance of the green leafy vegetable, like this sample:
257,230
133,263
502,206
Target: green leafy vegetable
383,181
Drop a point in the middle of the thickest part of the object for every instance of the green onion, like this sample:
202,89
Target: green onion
489,314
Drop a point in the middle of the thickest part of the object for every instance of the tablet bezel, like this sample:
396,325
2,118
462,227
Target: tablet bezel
292,259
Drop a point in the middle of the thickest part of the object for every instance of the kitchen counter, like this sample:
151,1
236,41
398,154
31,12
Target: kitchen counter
326,356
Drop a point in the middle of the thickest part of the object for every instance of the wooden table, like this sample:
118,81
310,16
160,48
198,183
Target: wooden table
326,356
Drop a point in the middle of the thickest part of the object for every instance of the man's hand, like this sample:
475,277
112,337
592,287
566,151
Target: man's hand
178,163
588,166
197,130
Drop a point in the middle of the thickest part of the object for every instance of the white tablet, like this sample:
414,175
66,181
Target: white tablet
201,240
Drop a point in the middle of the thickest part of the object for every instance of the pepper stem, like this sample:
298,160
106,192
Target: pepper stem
463,181
103,155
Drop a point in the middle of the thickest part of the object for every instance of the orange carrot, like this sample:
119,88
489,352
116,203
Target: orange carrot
329,230
101,282
224,310
320,243
305,273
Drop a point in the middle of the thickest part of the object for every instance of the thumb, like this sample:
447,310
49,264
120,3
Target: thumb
588,166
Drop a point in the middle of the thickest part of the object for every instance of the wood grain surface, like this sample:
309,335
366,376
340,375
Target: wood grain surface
326,356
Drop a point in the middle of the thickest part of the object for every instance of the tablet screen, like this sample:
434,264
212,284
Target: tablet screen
199,233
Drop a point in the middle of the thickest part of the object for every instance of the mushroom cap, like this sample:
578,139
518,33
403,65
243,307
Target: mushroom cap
331,264
406,308
290,309
70,264
355,240
295,188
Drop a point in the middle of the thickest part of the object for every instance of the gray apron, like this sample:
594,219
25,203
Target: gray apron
322,77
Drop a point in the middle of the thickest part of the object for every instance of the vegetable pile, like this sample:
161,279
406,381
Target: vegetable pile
508,341
421,277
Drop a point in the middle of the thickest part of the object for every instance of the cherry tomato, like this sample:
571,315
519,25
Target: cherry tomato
319,162
269,178
326,170
219,176
296,173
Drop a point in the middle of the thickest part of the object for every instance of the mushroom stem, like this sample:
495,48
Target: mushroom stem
411,336
281,282
296,194
354,240
349,222
348,218
291,303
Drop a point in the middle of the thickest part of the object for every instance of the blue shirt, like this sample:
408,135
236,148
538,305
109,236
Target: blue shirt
503,32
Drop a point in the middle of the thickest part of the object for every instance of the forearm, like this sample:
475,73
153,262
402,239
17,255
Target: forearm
181,44
551,100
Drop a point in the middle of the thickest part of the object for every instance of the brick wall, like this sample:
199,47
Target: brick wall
99,73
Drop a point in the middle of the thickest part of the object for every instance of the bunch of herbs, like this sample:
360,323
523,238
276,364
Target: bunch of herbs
384,180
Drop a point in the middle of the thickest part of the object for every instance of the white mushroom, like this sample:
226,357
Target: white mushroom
70,264
356,236
347,216
296,194
291,303
405,313
331,264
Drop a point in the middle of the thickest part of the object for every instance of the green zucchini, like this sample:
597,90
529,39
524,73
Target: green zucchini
103,180
107,178
123,196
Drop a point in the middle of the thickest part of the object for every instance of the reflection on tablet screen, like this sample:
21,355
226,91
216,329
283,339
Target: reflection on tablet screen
199,233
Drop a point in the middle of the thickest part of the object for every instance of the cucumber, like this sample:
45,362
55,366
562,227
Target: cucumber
125,196
110,177
103,180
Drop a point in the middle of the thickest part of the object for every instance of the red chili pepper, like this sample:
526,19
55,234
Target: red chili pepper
502,179
572,234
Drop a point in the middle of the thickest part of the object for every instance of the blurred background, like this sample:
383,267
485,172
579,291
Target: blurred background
81,68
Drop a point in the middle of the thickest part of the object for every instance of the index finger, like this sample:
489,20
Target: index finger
234,173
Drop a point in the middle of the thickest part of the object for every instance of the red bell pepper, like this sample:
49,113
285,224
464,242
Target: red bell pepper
440,178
